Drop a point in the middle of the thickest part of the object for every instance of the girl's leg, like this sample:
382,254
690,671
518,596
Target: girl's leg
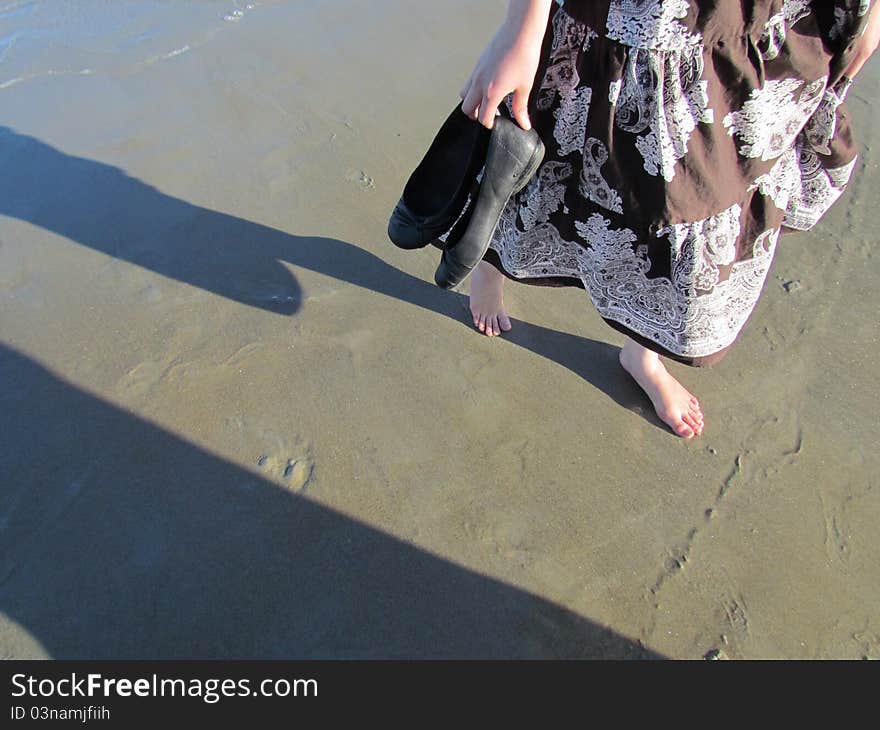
487,300
674,405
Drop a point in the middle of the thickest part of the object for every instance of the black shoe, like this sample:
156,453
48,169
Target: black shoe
513,158
438,189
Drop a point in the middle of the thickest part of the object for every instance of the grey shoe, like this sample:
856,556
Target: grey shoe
513,157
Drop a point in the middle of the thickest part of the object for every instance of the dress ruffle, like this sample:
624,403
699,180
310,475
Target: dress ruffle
681,137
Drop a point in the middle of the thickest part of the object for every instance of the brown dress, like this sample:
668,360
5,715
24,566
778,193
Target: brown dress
682,136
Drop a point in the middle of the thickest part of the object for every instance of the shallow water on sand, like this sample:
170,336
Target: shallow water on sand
58,37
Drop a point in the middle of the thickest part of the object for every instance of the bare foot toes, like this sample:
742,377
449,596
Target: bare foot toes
487,300
674,404
492,326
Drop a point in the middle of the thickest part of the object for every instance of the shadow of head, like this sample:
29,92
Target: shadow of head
101,207
120,539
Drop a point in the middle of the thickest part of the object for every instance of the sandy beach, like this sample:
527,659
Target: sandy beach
237,422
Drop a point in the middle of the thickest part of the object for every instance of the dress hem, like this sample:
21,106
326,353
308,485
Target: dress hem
492,257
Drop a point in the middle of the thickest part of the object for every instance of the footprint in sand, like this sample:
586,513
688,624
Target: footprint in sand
733,620
150,294
360,178
143,377
295,473
837,522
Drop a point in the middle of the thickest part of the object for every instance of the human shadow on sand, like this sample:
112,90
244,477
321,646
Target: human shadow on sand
100,206
119,539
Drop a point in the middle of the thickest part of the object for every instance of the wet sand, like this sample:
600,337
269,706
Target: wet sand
239,423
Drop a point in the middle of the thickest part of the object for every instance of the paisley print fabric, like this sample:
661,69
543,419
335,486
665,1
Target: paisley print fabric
682,136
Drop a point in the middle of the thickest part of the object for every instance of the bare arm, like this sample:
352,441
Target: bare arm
867,44
508,64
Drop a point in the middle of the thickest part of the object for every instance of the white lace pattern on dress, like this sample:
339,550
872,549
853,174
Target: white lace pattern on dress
816,190
773,116
694,299
650,24
776,28
592,185
692,314
561,76
662,98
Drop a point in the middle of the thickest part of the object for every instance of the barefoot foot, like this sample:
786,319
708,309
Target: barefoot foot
674,404
487,300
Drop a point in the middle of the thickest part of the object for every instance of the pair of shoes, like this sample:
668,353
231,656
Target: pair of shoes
513,158
438,190
436,194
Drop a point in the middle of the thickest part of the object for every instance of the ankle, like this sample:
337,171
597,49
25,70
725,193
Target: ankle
634,356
